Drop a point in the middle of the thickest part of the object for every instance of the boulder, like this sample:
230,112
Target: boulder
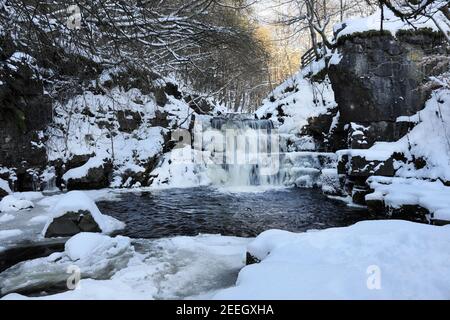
72,223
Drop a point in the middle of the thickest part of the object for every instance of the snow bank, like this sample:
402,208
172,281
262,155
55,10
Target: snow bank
369,260
397,192
78,200
391,23
12,203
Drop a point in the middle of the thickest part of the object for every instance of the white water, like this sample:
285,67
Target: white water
243,151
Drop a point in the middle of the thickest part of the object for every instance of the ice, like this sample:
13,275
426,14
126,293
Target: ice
170,268
410,260
96,256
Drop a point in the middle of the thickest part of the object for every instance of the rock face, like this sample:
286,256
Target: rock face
25,112
380,78
72,223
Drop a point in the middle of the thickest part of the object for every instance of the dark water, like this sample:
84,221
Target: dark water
189,212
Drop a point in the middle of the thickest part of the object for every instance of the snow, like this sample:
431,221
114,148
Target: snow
13,203
78,200
80,172
4,234
87,121
369,260
83,245
391,23
396,192
296,98
385,259
38,220
6,217
180,169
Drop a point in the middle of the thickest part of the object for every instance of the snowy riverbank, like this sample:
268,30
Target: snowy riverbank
369,260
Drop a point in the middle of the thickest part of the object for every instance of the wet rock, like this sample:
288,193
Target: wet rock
375,206
359,194
250,259
77,160
72,223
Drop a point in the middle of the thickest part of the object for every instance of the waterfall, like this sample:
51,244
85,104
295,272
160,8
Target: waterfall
241,151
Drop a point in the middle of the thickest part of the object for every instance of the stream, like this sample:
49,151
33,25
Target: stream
205,210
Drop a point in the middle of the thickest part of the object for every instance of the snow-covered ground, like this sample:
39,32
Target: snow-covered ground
369,260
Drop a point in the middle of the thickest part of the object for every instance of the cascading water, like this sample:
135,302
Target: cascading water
242,151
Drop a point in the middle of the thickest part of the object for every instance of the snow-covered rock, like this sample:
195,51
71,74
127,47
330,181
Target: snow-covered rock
12,203
94,174
396,193
392,23
79,202
369,260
